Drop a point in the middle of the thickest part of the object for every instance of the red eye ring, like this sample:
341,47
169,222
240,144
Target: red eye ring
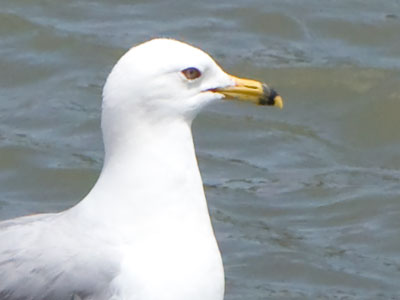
191,73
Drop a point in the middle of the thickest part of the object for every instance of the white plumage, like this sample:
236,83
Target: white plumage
143,232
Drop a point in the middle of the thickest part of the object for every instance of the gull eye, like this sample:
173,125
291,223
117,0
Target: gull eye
191,73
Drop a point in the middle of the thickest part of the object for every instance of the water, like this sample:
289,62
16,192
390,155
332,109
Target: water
305,201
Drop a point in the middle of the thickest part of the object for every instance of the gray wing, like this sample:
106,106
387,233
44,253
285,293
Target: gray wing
44,257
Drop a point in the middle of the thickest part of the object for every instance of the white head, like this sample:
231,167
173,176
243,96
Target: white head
149,79
165,80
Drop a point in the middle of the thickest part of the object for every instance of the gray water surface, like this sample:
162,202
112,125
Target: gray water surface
305,201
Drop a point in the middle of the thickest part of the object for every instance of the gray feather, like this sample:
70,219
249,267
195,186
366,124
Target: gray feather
39,261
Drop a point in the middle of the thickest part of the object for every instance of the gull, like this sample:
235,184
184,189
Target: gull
143,232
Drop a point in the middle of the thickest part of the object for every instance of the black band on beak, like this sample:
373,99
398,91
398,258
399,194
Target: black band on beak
269,96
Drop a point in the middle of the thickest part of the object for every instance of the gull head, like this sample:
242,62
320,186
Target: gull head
165,79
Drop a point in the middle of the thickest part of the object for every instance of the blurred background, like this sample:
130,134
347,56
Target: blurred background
305,201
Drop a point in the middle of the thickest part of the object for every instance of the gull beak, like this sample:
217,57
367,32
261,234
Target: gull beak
252,91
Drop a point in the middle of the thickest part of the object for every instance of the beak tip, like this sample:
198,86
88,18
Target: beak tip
271,97
278,102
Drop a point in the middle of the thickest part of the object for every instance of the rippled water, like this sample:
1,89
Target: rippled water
305,201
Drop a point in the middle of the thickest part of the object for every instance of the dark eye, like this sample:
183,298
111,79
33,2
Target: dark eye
191,73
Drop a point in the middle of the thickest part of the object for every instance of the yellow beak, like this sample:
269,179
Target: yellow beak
252,91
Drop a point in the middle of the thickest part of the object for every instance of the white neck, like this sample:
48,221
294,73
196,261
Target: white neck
141,163
149,200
